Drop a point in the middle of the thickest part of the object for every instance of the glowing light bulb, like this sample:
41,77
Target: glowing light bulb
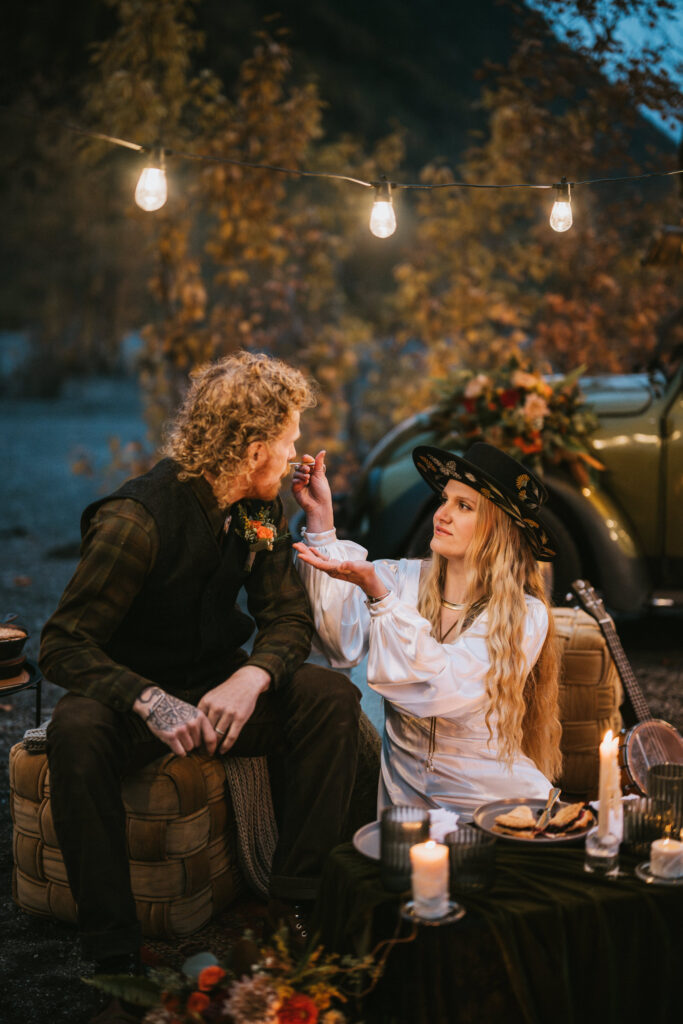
151,191
383,216
561,214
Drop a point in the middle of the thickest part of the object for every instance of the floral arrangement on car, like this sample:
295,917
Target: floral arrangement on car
542,423
261,986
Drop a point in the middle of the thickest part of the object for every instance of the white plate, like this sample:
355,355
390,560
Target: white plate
645,875
485,817
366,840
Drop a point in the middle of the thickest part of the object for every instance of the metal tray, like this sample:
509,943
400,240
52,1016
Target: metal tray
486,814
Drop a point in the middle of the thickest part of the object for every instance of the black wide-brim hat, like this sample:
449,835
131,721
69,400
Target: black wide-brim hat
498,477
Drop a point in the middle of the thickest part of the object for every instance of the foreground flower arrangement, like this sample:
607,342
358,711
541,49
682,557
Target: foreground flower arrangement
260,986
541,423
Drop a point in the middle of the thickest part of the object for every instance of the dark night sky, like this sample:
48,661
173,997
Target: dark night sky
376,63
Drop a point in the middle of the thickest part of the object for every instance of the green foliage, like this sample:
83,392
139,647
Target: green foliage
137,990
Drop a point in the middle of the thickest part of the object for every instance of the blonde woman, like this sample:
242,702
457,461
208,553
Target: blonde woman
461,647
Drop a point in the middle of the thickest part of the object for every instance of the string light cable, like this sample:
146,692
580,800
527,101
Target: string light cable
151,191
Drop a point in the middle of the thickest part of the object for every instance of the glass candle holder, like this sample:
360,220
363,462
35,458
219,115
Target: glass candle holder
429,879
472,857
602,855
400,828
645,820
665,783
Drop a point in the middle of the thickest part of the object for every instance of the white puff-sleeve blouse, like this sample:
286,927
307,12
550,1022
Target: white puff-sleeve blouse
422,680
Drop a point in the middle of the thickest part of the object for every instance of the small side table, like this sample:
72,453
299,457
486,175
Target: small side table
35,681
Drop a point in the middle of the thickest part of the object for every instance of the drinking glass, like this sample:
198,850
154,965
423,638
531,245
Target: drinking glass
645,819
472,857
400,828
665,782
602,854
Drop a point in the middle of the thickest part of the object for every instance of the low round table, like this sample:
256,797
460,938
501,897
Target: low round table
34,681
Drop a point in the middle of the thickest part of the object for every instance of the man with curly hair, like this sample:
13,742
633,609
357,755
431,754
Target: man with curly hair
148,641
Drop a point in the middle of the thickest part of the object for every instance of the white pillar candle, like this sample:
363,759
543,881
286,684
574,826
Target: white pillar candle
608,788
429,864
666,858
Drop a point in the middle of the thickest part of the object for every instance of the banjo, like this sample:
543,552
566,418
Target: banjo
651,740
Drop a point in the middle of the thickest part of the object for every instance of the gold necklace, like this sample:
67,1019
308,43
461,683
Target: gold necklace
451,605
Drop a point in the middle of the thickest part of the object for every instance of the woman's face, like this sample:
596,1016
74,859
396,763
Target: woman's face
454,520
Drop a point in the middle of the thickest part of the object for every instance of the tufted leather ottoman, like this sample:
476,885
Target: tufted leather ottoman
590,695
181,841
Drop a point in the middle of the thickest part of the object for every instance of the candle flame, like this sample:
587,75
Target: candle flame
607,738
430,843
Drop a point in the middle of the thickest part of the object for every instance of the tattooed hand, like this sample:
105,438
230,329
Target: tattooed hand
181,726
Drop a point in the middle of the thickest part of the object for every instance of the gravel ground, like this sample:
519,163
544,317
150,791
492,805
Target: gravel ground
42,500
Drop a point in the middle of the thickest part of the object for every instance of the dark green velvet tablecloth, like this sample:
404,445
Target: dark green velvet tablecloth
549,943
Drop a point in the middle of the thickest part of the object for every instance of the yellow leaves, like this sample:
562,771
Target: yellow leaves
237,276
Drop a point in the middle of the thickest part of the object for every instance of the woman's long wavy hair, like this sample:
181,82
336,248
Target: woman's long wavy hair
241,398
523,704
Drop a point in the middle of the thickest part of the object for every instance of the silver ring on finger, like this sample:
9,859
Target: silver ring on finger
220,732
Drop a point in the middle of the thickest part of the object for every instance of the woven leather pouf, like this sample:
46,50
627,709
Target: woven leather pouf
181,843
590,695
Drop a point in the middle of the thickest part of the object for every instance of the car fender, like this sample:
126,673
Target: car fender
606,542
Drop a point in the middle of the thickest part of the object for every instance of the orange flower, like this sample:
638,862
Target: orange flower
197,1002
528,447
264,532
210,976
298,1009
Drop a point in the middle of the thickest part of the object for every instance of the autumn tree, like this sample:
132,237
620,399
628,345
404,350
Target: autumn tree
487,275
244,257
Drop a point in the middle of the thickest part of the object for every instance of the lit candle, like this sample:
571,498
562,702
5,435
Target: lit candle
608,789
429,864
666,858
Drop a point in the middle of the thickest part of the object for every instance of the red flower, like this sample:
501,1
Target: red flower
509,398
197,1002
298,1009
469,404
209,977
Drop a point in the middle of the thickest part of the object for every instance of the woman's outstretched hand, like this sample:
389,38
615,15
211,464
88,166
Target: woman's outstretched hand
312,491
362,573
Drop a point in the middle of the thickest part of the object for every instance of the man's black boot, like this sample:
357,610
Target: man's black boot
118,1011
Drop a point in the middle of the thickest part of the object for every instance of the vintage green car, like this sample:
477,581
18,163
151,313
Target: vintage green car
623,530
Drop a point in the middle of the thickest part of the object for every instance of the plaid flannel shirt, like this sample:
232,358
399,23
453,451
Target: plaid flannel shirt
117,553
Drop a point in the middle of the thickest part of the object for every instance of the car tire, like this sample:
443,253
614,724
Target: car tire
562,571
566,566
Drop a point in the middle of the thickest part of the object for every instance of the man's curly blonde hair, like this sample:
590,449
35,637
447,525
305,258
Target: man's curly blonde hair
231,403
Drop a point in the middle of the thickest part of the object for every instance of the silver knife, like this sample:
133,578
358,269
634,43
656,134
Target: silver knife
547,810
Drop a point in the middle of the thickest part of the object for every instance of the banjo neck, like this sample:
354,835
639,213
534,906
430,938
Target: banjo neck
638,702
592,604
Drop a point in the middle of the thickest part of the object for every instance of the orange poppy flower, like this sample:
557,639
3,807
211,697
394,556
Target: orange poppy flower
210,976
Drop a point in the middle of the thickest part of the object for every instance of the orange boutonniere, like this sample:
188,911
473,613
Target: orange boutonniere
259,531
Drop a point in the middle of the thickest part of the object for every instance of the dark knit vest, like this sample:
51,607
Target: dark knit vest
183,630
